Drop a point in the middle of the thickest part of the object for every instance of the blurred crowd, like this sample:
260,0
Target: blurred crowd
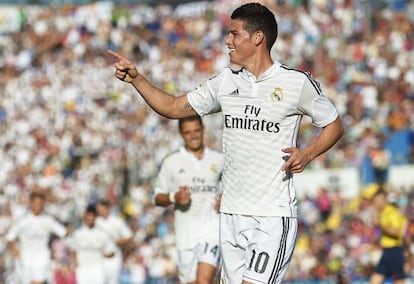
70,129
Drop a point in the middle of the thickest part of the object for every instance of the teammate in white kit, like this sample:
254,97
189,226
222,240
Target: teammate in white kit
189,180
90,247
262,104
120,234
28,240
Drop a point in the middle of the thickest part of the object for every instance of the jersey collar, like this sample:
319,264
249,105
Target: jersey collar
266,75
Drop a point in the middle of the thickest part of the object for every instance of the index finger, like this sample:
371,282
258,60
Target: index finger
116,55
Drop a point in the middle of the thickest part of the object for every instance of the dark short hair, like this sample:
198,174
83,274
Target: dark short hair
189,118
91,209
36,194
257,17
104,202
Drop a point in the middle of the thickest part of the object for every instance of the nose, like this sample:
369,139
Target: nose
228,40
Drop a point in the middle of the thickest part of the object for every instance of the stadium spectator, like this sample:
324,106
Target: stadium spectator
324,203
393,225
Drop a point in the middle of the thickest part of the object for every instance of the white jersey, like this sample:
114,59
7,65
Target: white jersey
260,117
90,245
181,168
115,227
33,234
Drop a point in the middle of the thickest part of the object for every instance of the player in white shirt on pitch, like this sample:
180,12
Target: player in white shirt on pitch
189,180
90,247
262,104
28,240
120,234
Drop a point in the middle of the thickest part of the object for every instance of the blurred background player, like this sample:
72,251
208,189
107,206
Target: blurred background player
28,240
393,225
120,234
90,246
189,180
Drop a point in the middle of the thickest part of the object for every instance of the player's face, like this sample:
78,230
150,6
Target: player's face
37,204
192,133
102,210
240,43
89,219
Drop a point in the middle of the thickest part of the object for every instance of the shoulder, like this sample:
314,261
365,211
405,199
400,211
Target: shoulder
77,234
297,73
214,153
116,219
225,74
171,157
300,77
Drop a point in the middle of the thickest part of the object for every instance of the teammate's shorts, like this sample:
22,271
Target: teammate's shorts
188,260
39,272
113,267
256,249
89,275
391,263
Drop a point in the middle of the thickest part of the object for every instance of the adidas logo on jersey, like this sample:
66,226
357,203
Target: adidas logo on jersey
234,93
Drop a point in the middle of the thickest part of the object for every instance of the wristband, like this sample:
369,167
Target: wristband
171,197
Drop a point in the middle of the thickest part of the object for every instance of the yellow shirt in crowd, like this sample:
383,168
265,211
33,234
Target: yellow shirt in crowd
391,217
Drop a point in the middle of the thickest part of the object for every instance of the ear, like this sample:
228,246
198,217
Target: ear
258,38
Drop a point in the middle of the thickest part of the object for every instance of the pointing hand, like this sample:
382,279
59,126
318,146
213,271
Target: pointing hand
125,70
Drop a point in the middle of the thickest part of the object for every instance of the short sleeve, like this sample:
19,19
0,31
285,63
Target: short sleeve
57,228
13,233
124,230
161,184
315,104
204,98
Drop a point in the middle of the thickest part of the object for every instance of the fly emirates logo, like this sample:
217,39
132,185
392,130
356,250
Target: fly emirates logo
251,121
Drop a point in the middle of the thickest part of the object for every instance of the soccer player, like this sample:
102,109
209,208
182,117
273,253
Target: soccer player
393,226
189,180
90,246
119,233
262,105
28,240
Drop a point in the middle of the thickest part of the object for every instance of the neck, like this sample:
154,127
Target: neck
259,64
198,153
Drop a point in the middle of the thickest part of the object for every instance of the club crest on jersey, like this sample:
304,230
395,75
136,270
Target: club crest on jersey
277,95
213,168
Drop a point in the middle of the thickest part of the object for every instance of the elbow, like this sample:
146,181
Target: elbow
156,201
166,113
340,129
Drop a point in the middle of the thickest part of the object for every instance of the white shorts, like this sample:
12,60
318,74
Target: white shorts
39,272
188,260
88,275
256,249
113,267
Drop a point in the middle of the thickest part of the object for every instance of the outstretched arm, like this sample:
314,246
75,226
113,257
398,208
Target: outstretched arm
163,103
299,158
